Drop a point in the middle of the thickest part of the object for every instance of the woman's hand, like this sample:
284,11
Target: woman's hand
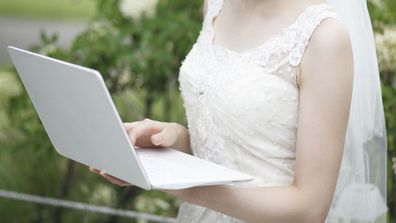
183,194
150,133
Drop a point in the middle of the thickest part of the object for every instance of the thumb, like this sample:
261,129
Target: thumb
157,139
161,139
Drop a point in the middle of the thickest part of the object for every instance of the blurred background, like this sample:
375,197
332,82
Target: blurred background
138,47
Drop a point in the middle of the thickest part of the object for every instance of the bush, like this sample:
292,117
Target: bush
139,55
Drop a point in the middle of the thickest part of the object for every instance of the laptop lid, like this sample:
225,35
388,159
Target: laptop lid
79,115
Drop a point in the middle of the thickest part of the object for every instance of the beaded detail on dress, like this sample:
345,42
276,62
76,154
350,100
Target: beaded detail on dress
242,108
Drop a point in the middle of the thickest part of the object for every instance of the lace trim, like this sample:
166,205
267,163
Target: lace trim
309,25
292,40
214,7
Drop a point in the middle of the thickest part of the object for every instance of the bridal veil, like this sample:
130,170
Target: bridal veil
361,188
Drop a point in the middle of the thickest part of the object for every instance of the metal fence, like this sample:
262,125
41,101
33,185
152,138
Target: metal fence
82,206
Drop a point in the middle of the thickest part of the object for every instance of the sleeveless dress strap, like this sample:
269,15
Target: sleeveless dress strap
306,25
213,9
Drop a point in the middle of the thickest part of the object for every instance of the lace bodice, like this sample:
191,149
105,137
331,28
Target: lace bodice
242,108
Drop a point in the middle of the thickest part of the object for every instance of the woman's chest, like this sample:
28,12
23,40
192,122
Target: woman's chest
236,90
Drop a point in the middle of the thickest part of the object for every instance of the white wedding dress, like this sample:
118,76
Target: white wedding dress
242,108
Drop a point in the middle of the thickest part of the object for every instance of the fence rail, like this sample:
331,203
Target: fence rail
83,206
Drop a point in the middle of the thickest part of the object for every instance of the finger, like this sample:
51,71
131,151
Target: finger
112,178
157,139
93,170
131,125
140,134
147,126
163,138
132,137
114,181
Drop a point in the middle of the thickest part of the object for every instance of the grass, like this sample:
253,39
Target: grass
48,9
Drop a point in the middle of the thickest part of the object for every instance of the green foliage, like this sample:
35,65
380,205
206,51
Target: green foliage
139,60
60,9
389,97
383,13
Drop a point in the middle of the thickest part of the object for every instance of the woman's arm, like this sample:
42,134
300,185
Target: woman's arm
325,96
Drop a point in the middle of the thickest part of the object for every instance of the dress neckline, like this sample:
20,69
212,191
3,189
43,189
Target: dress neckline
267,42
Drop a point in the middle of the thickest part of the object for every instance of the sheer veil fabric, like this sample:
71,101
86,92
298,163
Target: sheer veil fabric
361,189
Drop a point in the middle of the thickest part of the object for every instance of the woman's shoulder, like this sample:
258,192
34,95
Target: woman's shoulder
330,39
329,51
322,37
331,34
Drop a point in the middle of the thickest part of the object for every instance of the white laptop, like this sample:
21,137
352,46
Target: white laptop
83,124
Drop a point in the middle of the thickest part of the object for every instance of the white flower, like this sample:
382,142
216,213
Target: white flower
386,48
102,194
378,3
100,29
135,8
394,164
48,49
9,86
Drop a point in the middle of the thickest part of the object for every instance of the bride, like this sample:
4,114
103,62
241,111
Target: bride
268,90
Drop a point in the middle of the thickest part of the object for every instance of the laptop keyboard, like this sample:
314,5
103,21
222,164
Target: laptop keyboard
172,169
165,172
